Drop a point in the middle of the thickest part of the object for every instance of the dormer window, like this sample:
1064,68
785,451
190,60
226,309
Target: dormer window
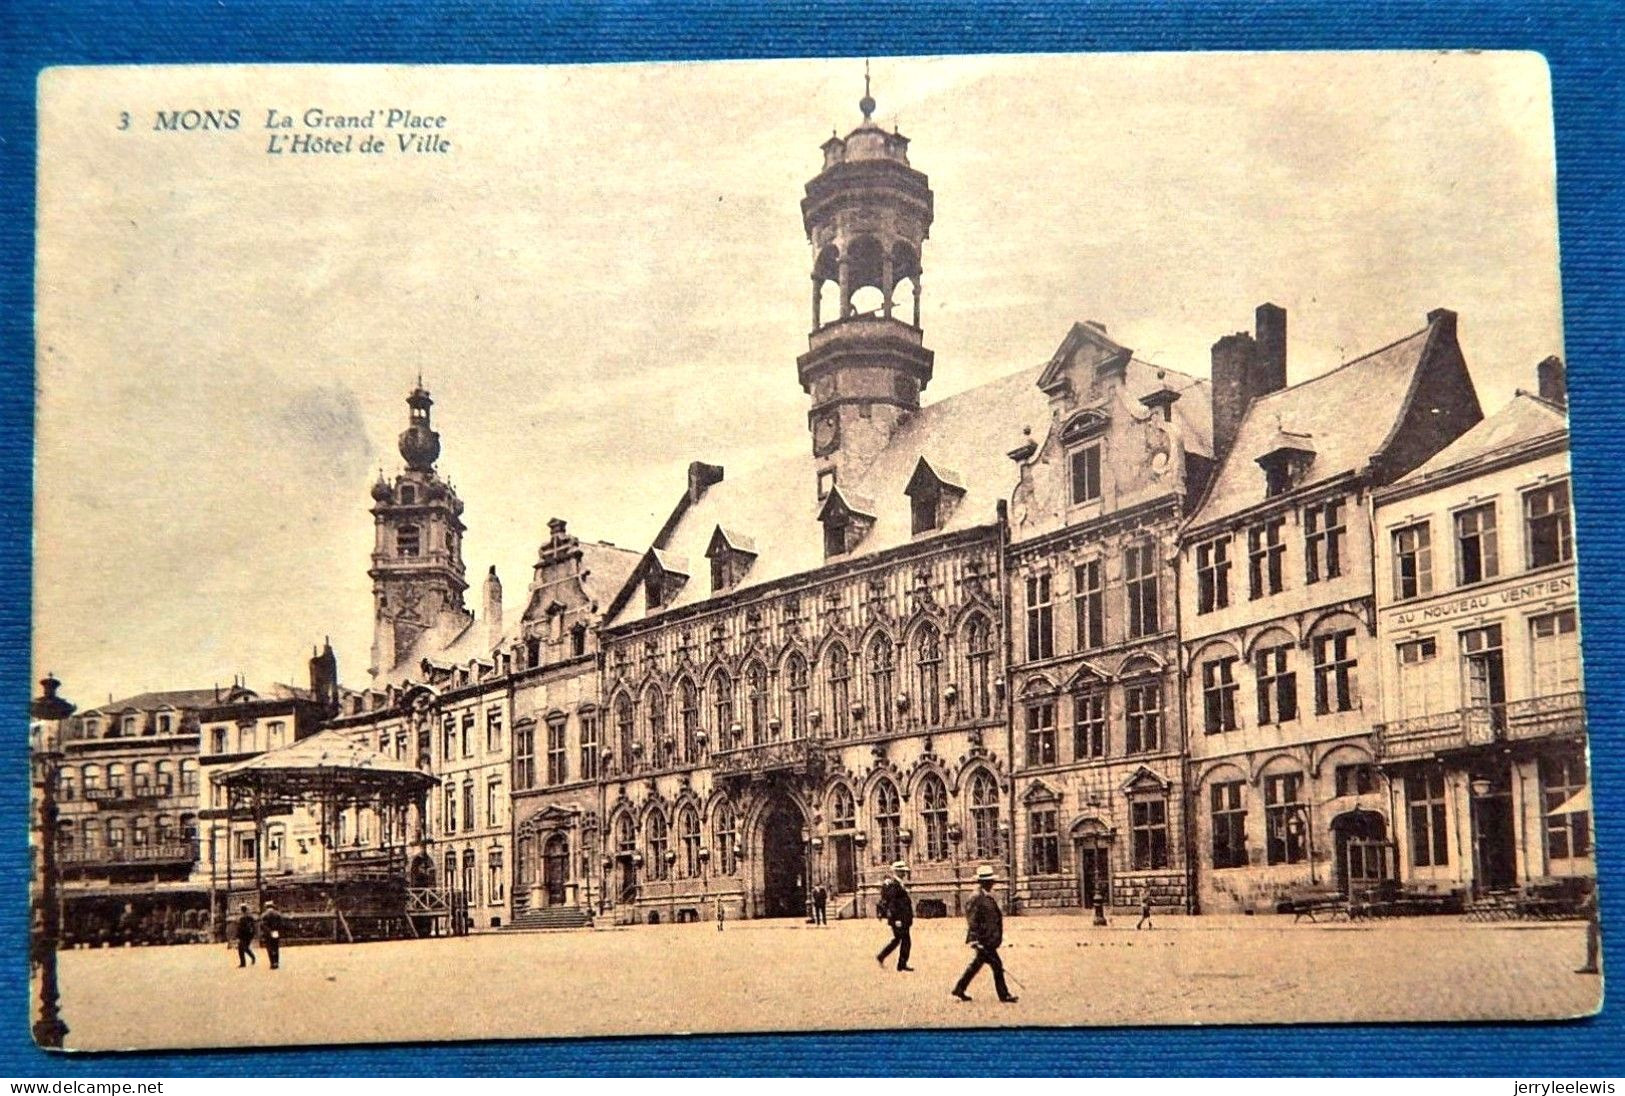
933,492
1286,462
663,576
406,541
846,518
731,555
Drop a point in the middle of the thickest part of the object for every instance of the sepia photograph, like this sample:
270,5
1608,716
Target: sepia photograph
1034,540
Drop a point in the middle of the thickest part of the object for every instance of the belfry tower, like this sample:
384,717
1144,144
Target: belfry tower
867,215
417,554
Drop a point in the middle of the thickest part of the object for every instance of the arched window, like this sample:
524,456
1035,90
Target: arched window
189,831
727,834
888,821
626,835
406,540
838,673
881,674
688,832
756,683
91,837
92,780
984,816
164,830
934,813
115,779
979,660
659,839
451,872
654,704
722,708
166,778
65,836
626,733
470,879
928,673
141,777
115,833
67,783
795,672
843,809
188,777
522,867
689,697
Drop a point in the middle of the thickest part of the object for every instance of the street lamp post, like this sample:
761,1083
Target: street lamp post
48,712
1478,788
1302,824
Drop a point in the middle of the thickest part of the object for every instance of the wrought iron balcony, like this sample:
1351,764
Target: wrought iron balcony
1427,736
802,755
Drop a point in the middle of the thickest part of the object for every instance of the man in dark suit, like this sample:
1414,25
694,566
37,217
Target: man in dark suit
820,905
271,934
984,933
245,938
897,907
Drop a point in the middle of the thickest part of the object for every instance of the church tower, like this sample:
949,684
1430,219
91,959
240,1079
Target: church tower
867,214
417,554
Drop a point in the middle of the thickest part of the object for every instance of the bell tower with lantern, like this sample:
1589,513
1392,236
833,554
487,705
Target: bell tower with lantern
417,557
867,214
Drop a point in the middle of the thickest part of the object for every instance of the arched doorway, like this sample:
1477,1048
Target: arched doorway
1092,852
555,868
1363,853
784,863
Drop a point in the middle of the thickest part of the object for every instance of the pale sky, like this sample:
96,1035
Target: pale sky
607,278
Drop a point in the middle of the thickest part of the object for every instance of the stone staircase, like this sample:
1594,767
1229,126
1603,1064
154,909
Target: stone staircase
549,917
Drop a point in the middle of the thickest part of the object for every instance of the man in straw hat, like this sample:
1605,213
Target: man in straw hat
984,933
897,907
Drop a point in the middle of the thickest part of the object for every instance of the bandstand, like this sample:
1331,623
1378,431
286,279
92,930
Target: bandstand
357,818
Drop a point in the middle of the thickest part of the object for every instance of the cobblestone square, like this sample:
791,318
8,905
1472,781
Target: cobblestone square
786,976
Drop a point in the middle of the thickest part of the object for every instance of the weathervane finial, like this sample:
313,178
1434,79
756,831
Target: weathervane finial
867,103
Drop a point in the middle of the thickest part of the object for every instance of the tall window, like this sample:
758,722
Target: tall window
1277,685
1229,825
888,820
448,811
722,706
1546,524
406,540
843,808
469,820
588,722
493,801
468,734
1213,575
1323,538
1085,465
756,686
934,814
1140,578
726,829
1044,842
1041,733
524,758
654,706
659,839
689,698
979,654
928,667
470,880
1415,692
1477,557
1089,723
880,677
1219,695
1265,553
496,883
557,767
984,815
1336,686
1413,562
493,731
1555,652
1142,709
688,832
1424,801
626,733
1088,605
1284,821
1040,618
795,675
1148,825
838,672
1568,830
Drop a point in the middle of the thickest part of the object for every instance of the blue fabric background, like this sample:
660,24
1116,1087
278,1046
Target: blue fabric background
1583,42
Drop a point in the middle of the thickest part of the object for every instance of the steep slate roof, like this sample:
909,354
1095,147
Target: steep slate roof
1526,418
1347,413
776,505
175,698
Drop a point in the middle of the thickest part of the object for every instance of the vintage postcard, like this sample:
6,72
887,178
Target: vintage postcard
846,543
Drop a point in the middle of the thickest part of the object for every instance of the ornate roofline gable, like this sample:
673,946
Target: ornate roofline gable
1085,345
1145,781
1039,792
1082,425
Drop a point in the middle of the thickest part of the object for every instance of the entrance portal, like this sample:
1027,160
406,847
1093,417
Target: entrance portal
1362,850
784,864
555,866
1495,829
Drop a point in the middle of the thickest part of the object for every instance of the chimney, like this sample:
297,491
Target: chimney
1269,324
1552,381
1233,365
1444,320
493,610
702,476
324,677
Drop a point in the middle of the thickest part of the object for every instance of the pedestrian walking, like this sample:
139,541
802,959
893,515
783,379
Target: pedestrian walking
245,938
984,932
897,907
271,934
719,915
1588,906
820,905
1145,911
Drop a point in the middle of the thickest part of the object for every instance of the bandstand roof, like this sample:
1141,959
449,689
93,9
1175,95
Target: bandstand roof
327,761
